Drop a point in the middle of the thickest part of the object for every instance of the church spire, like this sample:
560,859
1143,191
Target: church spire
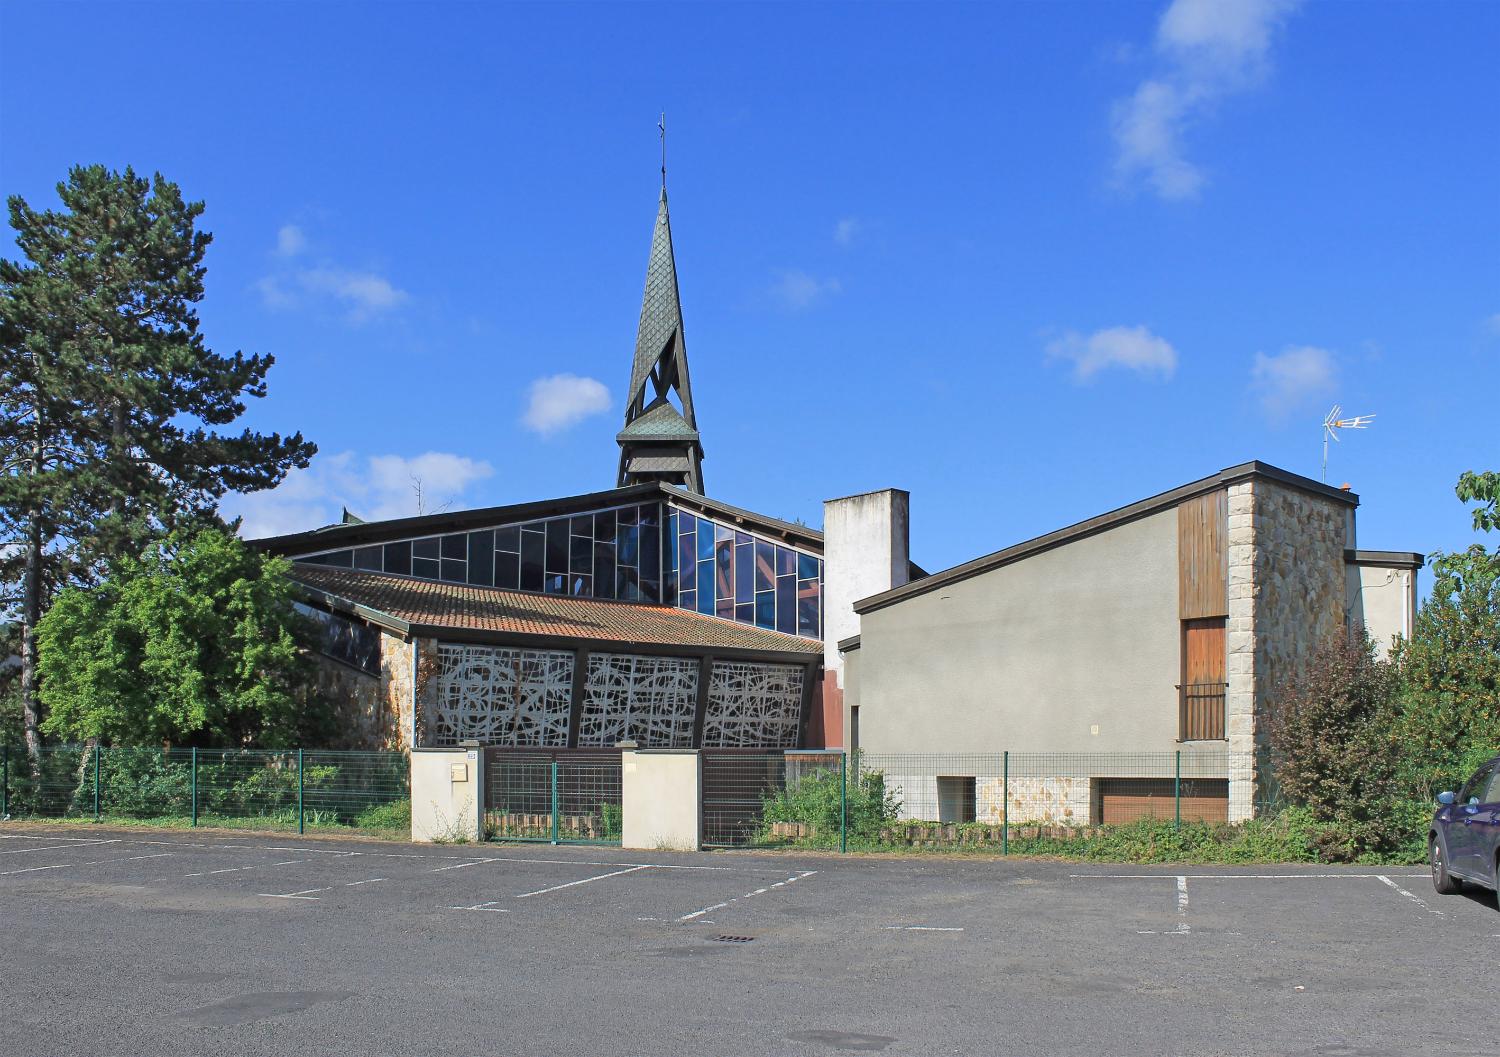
660,441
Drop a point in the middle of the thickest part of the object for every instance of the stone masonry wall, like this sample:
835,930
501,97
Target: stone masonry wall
1286,594
370,712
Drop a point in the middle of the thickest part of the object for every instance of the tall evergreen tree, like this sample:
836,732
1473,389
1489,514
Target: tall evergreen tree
110,396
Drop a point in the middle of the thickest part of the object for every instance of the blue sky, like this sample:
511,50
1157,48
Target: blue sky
1030,262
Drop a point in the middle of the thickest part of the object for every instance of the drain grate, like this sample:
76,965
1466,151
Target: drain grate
733,939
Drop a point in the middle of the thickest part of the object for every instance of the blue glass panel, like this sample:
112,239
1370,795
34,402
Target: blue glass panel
741,539
669,589
604,527
557,546
705,587
629,540
765,577
426,568
368,558
337,559
786,561
807,567
687,548
651,551
786,605
533,546
724,571
705,539
627,515
427,548
581,585
651,514
765,610
508,539
508,570
650,591
744,573
724,607
556,584
456,547
723,533
807,608
454,571
744,612
688,600
482,559
687,576
669,544
582,552
398,558
627,584
604,570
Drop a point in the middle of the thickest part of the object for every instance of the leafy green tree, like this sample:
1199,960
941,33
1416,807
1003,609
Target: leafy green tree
1484,489
196,641
109,397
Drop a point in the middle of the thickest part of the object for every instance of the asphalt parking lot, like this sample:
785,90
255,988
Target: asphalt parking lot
141,943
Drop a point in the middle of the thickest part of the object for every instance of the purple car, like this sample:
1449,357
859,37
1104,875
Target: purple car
1464,844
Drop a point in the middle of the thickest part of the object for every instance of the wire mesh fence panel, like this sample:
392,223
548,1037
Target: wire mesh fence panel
364,790
588,800
58,783
147,784
248,788
518,796
767,799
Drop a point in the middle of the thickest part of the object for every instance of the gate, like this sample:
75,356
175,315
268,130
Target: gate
739,783
560,796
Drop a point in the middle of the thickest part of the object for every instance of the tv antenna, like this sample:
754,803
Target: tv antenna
1332,423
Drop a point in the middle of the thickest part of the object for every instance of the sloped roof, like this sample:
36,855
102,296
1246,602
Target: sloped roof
426,608
660,420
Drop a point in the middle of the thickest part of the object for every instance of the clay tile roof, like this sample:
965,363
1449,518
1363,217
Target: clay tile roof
458,607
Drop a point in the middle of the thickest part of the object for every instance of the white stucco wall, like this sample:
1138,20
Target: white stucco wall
865,551
1384,600
1034,656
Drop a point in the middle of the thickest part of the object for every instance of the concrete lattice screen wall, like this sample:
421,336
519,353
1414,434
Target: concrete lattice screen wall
1287,593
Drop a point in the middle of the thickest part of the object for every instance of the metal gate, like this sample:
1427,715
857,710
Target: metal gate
562,796
739,783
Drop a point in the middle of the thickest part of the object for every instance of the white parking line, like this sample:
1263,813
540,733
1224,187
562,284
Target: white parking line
56,847
1233,876
586,880
488,907
922,928
462,865
367,881
96,862
748,895
306,893
1408,895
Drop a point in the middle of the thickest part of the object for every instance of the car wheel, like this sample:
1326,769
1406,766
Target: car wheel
1442,880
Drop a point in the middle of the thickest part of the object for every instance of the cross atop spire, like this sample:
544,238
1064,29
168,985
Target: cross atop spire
662,124
660,441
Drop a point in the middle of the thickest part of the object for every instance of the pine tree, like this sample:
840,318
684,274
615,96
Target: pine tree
110,396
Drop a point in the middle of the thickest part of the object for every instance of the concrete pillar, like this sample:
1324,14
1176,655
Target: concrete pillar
661,799
1240,695
447,795
866,550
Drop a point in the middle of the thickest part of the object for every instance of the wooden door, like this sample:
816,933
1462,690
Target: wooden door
1201,705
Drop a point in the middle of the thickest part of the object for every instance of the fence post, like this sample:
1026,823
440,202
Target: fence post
4,781
1177,793
195,787
96,781
300,817
554,800
1005,805
844,802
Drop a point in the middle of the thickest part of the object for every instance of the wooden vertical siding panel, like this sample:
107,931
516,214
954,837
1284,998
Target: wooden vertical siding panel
1203,556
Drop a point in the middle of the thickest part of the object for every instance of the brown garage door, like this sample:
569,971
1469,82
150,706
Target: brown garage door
1127,799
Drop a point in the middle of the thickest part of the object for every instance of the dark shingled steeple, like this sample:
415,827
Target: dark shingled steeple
659,442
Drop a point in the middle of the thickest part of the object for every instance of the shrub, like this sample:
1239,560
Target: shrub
393,815
814,800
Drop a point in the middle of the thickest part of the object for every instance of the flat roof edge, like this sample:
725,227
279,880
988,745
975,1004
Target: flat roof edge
1400,559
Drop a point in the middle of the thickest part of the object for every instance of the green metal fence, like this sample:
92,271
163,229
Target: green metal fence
556,797
292,789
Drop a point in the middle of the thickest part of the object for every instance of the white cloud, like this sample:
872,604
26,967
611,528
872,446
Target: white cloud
290,240
1133,348
847,230
796,290
1293,378
1208,49
1493,324
375,488
365,293
562,401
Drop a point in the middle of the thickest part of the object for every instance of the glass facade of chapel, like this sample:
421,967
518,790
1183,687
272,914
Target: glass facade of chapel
651,553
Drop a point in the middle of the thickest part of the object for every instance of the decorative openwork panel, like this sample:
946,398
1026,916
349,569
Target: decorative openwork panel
649,700
501,696
753,706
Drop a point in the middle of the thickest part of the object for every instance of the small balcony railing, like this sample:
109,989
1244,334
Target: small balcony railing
1200,711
